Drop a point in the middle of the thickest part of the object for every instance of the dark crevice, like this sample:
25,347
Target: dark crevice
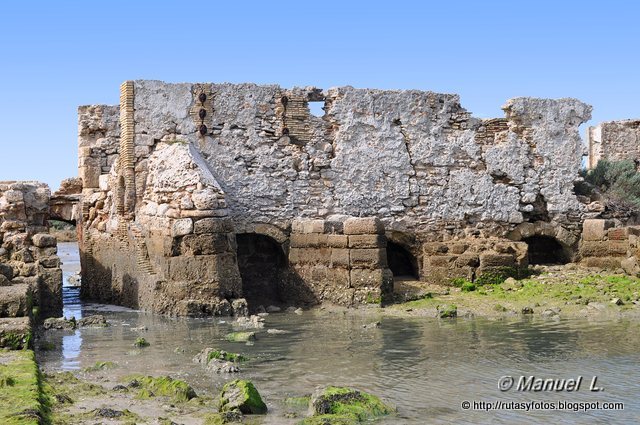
401,262
546,250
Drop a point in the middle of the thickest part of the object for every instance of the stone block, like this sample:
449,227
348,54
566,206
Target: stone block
340,257
435,248
458,248
310,255
182,227
337,241
467,260
367,278
213,225
367,241
15,333
363,226
595,229
604,248
205,244
371,258
489,260
608,263
44,240
15,300
50,262
443,275
618,234
308,240
50,292
630,266
439,261
313,226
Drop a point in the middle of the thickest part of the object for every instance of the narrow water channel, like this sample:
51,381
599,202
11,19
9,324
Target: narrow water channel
426,367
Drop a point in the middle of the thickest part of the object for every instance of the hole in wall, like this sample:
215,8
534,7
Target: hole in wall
403,265
262,266
546,250
316,108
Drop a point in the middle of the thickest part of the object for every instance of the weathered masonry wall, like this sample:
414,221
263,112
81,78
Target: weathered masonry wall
188,172
614,141
30,273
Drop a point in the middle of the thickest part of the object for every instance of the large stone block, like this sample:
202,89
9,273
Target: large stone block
308,240
182,227
15,300
609,263
50,292
213,225
44,240
439,261
371,258
595,229
618,234
368,278
363,226
310,256
367,241
205,244
490,260
340,257
604,248
337,241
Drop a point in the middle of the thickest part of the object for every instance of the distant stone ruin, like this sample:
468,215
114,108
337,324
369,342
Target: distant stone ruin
614,141
200,197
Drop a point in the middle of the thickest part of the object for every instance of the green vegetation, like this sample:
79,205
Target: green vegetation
468,287
229,357
141,342
165,386
338,405
372,298
618,181
21,398
241,395
15,341
240,336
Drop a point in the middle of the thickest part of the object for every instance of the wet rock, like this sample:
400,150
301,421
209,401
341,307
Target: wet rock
277,331
251,322
59,323
140,329
141,342
617,301
97,321
527,310
231,417
240,307
243,396
219,361
273,309
106,412
240,336
372,325
550,313
120,388
447,311
346,404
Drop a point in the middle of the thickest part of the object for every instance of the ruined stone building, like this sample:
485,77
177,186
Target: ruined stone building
614,141
198,196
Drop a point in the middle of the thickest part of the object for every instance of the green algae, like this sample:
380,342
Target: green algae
241,395
163,386
240,336
226,356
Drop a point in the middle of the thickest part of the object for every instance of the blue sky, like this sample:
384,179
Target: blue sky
57,55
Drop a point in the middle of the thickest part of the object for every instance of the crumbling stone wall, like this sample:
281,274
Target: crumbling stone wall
30,271
606,245
614,141
254,158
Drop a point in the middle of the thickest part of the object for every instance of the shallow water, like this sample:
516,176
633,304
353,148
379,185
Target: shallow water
426,367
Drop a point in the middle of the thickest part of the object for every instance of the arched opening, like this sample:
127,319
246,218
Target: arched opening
546,250
262,265
403,265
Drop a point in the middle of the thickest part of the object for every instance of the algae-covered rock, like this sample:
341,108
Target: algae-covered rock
96,321
141,342
219,360
447,311
340,405
243,396
240,336
166,386
60,323
232,417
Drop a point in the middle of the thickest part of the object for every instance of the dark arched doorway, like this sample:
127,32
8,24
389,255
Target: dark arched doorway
546,250
403,265
262,265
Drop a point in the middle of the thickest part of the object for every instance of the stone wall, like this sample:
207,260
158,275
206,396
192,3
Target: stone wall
253,157
607,245
30,271
614,141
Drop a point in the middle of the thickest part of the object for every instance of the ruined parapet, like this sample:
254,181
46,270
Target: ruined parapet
255,158
605,245
30,273
343,262
614,141
470,258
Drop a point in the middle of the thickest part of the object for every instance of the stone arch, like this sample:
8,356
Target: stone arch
548,243
263,268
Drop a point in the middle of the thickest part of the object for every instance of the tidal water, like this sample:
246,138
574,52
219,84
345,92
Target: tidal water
425,367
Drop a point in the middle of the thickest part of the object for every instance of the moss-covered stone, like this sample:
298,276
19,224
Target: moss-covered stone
21,398
101,366
141,342
339,405
447,311
226,356
222,418
165,386
240,336
15,333
241,395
